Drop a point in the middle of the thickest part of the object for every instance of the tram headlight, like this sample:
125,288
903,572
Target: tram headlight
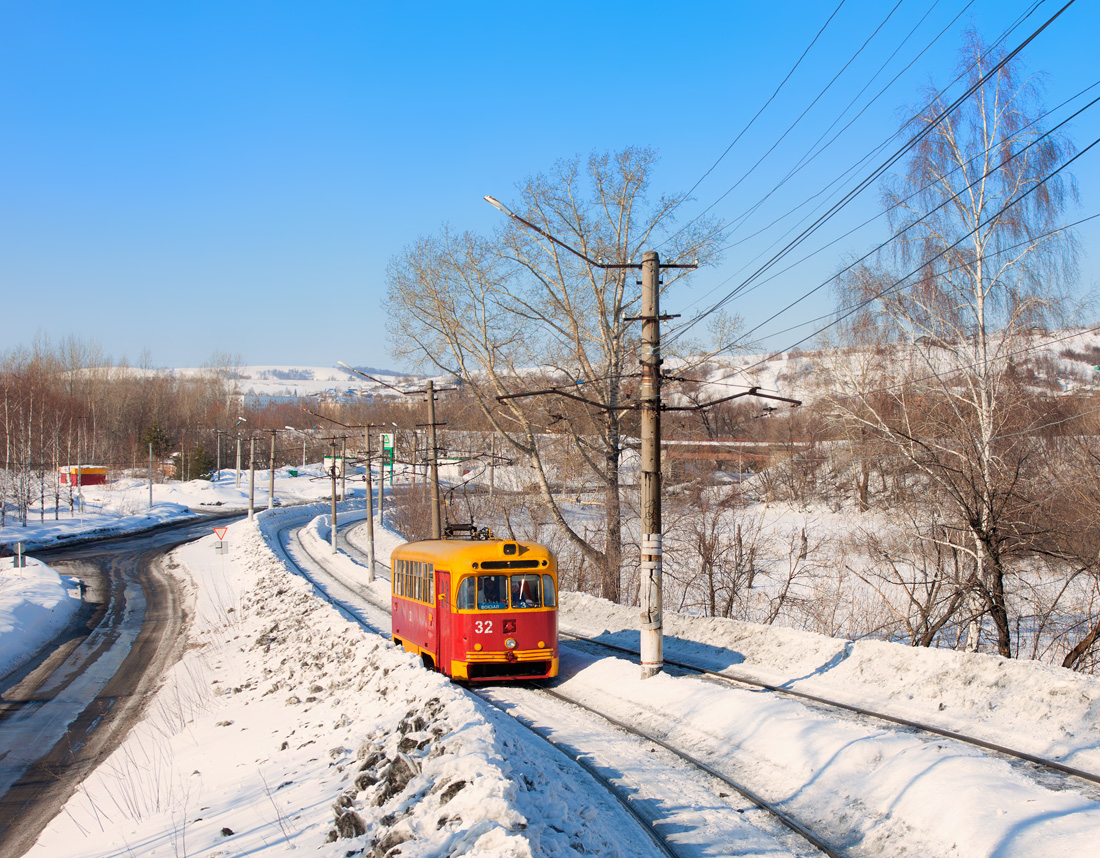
510,643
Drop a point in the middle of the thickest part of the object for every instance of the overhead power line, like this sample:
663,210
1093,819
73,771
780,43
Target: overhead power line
919,220
764,107
1008,249
893,286
807,158
875,174
794,124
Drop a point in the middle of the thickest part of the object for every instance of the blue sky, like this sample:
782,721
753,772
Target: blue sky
189,178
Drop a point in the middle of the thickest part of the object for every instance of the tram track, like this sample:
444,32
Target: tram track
804,830
649,823
1048,765
814,844
293,532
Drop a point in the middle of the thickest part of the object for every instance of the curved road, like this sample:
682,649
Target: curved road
65,711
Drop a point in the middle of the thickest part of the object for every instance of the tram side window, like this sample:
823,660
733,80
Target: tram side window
549,594
525,591
492,592
426,582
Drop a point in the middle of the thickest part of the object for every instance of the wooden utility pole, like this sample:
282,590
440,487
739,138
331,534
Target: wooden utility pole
652,645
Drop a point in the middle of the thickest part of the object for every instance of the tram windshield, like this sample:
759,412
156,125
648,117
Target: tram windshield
492,592
525,591
499,592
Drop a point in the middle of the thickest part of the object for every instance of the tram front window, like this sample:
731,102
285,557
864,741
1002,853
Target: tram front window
525,591
492,592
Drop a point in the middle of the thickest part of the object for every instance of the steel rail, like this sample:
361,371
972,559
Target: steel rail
624,801
761,802
1042,762
646,825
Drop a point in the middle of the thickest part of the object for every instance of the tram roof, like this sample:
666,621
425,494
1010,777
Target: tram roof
451,549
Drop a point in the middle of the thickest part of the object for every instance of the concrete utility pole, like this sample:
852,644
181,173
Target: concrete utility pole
251,478
370,508
150,475
332,470
343,472
271,473
237,477
433,462
382,483
652,655
343,468
652,645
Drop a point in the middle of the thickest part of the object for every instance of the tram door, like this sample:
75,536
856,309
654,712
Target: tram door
443,642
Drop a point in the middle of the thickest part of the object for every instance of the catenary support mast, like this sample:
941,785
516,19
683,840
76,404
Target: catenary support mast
652,650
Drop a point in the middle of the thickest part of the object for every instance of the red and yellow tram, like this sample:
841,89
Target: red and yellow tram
477,609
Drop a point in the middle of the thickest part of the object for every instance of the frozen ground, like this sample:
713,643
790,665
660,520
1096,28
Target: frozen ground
285,725
36,604
124,506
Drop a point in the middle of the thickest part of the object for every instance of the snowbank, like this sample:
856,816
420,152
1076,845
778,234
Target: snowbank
1047,711
36,604
285,726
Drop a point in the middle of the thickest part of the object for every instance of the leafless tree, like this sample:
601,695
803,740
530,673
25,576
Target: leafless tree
975,217
1071,612
920,577
516,312
712,549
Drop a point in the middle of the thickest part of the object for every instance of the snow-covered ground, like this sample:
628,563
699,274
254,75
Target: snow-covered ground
287,726
36,604
123,506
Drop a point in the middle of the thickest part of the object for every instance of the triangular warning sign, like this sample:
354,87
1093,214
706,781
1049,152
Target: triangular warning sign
220,532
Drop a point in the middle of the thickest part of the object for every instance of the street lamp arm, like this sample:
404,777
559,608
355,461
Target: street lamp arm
329,419
367,377
499,205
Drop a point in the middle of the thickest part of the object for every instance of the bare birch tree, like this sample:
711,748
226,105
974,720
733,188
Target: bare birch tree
976,217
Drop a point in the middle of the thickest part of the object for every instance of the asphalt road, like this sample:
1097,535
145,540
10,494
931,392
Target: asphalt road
72,705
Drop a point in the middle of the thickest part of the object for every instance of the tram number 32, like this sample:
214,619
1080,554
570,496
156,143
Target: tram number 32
483,627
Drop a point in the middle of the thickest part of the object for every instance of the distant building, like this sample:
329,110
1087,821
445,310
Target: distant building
82,475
